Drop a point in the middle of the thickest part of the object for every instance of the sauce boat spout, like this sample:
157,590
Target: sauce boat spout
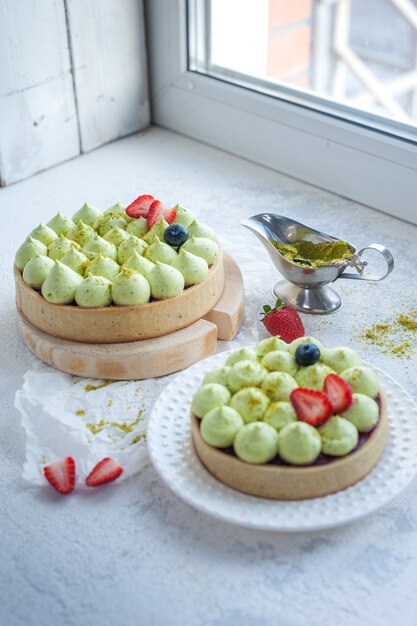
261,228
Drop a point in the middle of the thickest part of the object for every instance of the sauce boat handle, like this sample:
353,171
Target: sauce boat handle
372,276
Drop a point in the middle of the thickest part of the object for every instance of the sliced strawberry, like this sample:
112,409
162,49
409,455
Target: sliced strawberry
104,472
61,475
338,391
157,209
140,207
169,215
311,406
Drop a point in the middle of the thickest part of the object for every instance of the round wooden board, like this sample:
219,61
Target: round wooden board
116,324
279,482
147,358
134,360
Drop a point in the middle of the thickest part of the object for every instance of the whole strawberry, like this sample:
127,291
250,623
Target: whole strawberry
283,320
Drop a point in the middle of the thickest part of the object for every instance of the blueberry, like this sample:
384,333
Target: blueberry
175,235
307,354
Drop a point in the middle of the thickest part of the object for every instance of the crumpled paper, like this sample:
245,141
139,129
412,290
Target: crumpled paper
89,419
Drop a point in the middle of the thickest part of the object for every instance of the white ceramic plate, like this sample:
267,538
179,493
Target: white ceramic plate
174,458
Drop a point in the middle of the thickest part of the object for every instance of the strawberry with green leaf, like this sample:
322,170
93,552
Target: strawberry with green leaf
283,320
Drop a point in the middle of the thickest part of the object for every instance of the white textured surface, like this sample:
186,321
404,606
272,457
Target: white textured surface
173,455
38,119
134,553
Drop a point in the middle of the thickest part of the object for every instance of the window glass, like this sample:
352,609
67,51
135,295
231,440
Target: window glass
360,54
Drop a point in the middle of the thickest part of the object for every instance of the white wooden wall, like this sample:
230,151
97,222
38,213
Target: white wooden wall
72,77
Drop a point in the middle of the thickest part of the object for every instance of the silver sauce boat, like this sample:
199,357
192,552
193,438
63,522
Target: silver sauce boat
307,288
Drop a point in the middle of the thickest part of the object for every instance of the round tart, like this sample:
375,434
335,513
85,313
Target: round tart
121,275
315,442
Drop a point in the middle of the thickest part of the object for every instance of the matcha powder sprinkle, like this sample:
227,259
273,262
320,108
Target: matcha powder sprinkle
396,336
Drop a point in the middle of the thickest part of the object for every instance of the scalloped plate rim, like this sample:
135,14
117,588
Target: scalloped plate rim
206,506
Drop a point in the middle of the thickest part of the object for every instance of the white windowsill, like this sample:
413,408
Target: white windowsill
136,550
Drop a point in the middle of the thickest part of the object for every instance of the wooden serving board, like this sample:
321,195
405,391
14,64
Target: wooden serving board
147,358
286,482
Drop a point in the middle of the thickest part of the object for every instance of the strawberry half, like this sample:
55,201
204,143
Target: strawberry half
140,207
61,475
283,321
157,209
338,391
311,406
104,472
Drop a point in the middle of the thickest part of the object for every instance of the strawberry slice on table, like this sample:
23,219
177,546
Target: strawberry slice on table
283,320
311,406
157,209
61,475
338,391
104,472
140,206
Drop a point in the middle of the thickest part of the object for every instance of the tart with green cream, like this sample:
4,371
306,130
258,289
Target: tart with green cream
123,256
281,408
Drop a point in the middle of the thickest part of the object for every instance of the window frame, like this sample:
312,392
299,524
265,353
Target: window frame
368,166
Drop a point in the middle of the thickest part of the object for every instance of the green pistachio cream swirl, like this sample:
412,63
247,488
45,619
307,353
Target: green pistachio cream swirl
29,249
67,258
36,270
290,403
94,291
61,284
130,288
87,214
60,224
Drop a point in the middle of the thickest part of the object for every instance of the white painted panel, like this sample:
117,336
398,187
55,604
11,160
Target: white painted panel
33,43
38,129
109,63
38,124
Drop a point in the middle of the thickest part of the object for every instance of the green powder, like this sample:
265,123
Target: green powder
96,428
137,439
407,322
309,254
106,383
396,336
126,271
